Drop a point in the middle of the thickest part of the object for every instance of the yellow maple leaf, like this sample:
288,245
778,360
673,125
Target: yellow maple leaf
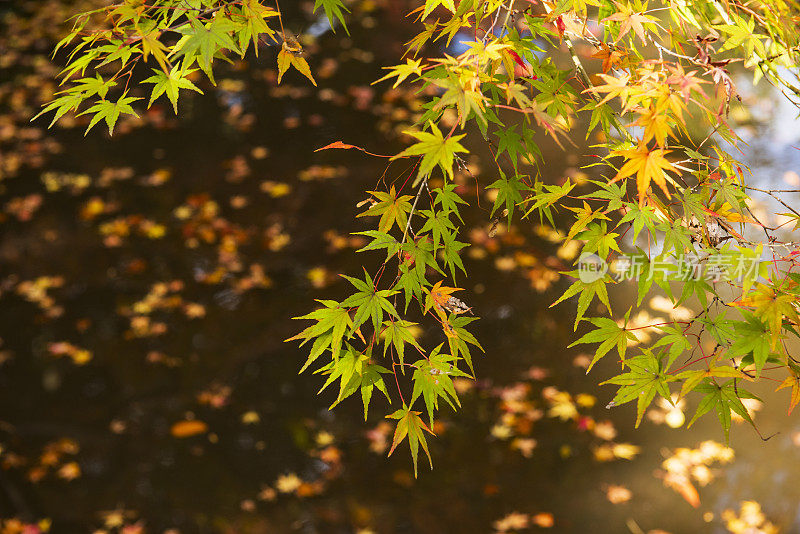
794,383
656,124
648,165
288,57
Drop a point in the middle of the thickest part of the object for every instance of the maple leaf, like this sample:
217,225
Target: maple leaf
170,83
751,337
411,425
772,306
645,378
723,399
439,295
289,58
438,223
370,302
332,323
792,381
397,333
615,87
92,86
452,27
648,165
448,199
391,208
611,58
110,111
459,338
686,81
432,380
430,5
584,216
656,125
203,41
630,21
587,291
418,41
402,71
435,150
255,13
466,100
333,8
355,372
70,102
609,334
151,45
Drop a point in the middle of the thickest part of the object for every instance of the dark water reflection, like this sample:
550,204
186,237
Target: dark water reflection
211,482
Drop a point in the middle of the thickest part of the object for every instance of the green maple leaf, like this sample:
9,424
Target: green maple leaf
397,333
751,337
609,334
79,64
435,150
723,399
333,8
439,224
448,199
459,338
328,332
508,193
546,198
613,193
88,87
369,302
170,84
640,216
380,240
62,105
510,142
204,41
419,40
675,337
450,254
410,283
645,378
409,424
391,208
110,111
419,252
432,380
676,236
692,378
586,292
356,372
116,50
599,240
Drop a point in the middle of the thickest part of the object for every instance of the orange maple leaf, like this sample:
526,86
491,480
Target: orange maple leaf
441,294
611,58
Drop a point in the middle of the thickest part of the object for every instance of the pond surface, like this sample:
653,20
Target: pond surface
147,285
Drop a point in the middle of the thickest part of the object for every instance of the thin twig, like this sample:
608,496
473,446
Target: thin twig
413,207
